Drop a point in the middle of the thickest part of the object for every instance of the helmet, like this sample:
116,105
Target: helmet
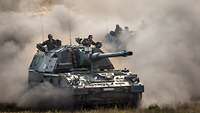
50,36
90,36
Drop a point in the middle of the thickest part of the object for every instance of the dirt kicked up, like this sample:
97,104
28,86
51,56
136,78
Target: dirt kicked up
182,108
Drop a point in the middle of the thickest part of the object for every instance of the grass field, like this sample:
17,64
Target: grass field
184,108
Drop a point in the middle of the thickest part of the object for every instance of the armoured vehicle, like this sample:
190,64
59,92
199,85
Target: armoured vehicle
87,72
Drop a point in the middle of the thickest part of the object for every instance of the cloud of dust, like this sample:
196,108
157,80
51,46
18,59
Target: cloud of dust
166,43
50,97
20,29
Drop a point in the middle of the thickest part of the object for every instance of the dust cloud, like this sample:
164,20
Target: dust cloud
166,42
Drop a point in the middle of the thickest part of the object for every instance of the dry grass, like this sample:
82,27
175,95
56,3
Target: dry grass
184,108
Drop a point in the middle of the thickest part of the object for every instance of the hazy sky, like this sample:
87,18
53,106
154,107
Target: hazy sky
167,42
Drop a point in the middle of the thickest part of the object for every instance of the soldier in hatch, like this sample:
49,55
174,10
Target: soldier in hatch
118,30
50,43
88,41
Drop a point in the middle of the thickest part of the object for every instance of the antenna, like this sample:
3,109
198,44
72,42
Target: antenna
70,33
69,27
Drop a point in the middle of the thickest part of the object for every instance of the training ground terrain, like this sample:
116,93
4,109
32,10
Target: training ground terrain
183,108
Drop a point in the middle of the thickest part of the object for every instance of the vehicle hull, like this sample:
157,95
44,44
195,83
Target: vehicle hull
92,96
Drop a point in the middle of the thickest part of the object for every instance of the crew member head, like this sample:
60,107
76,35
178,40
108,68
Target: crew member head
117,26
90,37
50,37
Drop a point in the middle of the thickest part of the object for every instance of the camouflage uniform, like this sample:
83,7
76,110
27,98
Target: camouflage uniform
50,43
118,30
88,41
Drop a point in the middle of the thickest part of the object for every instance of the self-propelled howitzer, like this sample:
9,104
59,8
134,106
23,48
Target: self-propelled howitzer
88,74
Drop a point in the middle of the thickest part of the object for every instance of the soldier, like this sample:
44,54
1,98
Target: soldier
88,41
51,43
90,38
118,30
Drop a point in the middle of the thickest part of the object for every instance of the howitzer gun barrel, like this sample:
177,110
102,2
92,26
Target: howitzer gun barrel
97,56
